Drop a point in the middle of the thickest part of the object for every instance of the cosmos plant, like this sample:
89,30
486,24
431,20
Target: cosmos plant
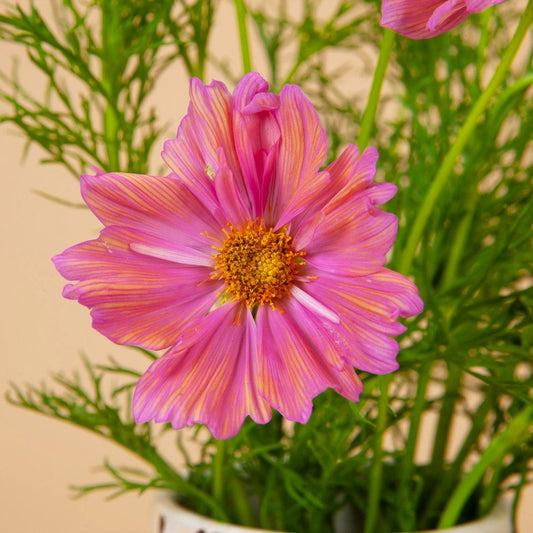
249,279
262,274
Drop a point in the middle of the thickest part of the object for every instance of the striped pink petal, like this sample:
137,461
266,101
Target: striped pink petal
292,369
257,136
158,205
211,378
368,307
303,146
204,145
135,298
423,19
351,236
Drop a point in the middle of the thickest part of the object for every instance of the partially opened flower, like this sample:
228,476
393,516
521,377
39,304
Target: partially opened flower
422,19
260,273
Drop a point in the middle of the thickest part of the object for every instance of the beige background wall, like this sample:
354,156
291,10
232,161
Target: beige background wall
43,333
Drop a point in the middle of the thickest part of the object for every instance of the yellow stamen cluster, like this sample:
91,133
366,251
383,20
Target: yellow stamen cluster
257,264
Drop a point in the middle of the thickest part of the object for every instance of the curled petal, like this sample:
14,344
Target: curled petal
256,135
422,19
475,6
352,172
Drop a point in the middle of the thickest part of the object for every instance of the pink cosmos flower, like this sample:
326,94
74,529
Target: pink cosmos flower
260,273
422,19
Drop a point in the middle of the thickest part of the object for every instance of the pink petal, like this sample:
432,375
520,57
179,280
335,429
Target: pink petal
353,237
356,177
156,205
302,151
204,134
135,298
422,19
293,369
173,253
350,236
313,305
411,17
368,307
452,12
350,174
209,379
256,134
447,16
475,6
235,212
351,170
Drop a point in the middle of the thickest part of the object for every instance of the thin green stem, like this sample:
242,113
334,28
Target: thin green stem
441,491
176,483
110,44
447,410
460,242
509,92
408,519
292,72
517,430
376,470
243,35
369,115
485,17
240,501
218,471
462,234
462,138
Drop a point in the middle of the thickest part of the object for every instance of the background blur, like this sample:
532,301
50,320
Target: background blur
43,333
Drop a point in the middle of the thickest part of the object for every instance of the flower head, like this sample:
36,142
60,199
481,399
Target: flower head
261,274
422,19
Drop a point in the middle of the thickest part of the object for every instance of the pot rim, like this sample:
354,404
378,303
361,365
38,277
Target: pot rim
497,521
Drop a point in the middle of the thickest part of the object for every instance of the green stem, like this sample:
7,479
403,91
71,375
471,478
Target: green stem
243,35
448,478
462,138
218,472
175,482
447,410
369,115
241,502
110,49
509,92
461,240
485,17
517,431
492,489
408,518
376,470
463,231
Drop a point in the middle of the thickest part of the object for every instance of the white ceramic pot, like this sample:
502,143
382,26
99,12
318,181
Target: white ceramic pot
171,518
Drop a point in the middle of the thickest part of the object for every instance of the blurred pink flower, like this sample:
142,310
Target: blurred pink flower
261,274
422,19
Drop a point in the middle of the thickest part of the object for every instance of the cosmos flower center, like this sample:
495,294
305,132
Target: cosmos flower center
257,264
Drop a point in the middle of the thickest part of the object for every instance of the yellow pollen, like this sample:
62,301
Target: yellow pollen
257,264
